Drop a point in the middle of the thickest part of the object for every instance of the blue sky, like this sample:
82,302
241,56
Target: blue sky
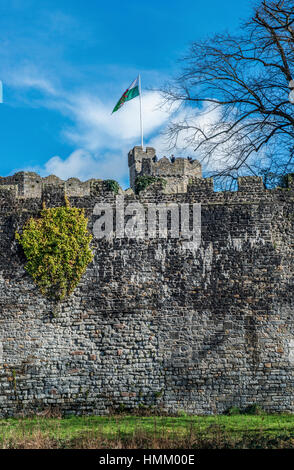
64,65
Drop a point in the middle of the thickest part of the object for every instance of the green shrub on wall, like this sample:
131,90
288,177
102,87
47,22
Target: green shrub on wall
112,185
57,249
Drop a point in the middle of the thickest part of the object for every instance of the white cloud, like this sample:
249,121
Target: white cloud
83,165
203,118
28,76
95,127
103,139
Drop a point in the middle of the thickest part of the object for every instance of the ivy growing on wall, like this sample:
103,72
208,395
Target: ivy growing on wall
142,182
112,185
57,249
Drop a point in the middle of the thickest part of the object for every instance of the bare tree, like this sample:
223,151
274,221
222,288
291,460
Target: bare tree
242,82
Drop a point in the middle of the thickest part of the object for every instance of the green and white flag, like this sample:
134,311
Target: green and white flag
128,95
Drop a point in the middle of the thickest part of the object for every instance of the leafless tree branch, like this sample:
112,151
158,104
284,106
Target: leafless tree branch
244,82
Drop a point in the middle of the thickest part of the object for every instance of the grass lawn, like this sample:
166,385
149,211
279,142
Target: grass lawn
125,431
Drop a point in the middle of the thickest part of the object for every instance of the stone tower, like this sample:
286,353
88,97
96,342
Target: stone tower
176,173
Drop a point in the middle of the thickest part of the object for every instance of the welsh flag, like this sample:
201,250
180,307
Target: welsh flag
128,95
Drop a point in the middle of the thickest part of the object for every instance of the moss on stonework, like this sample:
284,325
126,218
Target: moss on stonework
57,249
142,182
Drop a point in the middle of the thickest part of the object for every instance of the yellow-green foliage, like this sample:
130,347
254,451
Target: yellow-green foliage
57,249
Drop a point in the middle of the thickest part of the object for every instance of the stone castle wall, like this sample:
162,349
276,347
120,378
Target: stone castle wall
151,323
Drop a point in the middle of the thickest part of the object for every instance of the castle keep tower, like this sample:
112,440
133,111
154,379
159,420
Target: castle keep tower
177,173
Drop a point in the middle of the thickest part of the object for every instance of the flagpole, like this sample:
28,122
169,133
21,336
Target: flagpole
141,117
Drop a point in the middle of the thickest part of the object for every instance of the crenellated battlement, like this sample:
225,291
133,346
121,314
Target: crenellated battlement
30,185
